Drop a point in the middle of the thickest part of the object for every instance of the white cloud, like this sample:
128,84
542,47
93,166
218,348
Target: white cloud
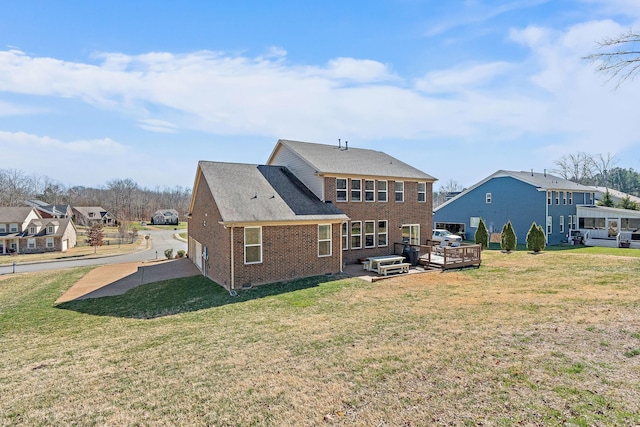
462,78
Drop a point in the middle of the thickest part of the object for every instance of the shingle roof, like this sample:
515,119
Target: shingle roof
14,214
330,159
257,193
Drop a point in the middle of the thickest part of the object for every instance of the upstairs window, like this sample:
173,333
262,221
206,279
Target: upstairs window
356,190
369,190
570,197
399,191
252,245
341,189
548,197
422,191
3,228
382,191
32,230
50,229
324,240
557,197
487,198
13,228
564,197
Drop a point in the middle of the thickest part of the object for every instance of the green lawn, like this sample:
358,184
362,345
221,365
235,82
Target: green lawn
548,339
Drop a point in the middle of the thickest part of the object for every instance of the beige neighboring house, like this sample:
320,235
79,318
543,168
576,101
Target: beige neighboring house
24,231
90,215
165,217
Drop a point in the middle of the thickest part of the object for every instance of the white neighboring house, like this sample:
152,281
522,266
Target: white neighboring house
603,226
165,217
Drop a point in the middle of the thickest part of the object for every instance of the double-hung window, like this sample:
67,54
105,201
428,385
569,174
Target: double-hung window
548,197
382,191
382,233
549,225
13,228
252,245
341,189
570,197
345,236
422,191
369,234
487,198
356,190
49,242
3,228
369,190
31,243
399,187
564,197
50,229
32,230
356,234
324,240
561,229
557,197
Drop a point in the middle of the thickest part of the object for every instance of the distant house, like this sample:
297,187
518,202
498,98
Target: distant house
51,211
165,217
311,209
23,230
519,197
88,216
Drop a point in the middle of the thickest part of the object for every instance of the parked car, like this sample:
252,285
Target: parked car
441,235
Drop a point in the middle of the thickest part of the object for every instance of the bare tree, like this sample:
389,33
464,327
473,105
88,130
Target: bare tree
445,191
619,57
602,166
16,187
578,167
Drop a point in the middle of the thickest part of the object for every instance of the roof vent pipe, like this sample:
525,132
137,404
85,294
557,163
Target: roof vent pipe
531,171
545,172
339,144
346,145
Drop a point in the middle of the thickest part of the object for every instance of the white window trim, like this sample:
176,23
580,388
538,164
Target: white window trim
570,197
50,242
13,228
358,190
325,240
372,192
31,243
488,197
344,230
564,197
415,226
396,192
385,234
50,229
252,245
356,235
3,228
557,197
549,225
372,234
385,191
548,197
561,229
423,192
346,190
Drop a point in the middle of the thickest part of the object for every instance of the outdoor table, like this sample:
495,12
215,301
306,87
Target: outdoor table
375,262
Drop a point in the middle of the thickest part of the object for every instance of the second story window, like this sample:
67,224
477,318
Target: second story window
487,198
399,191
3,228
564,197
548,197
13,228
356,190
570,197
341,189
50,229
382,191
369,190
32,230
422,191
557,197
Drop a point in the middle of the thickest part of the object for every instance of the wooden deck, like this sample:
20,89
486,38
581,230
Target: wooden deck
434,256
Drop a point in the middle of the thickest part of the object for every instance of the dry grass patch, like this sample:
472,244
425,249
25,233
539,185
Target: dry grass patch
534,340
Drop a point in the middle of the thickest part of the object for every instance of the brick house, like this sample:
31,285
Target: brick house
311,209
90,215
24,231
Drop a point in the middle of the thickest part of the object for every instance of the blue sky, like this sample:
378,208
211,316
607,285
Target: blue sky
91,91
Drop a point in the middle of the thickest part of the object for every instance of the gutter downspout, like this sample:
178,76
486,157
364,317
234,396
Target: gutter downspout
232,284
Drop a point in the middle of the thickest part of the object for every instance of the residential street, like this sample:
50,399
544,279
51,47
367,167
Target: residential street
158,242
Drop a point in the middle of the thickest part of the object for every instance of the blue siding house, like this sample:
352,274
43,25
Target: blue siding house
519,197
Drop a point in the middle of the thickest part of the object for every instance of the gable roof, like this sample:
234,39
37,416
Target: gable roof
615,194
16,214
334,160
86,210
541,181
246,193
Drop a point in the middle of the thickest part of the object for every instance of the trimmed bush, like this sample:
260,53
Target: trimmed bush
509,239
535,238
168,253
482,235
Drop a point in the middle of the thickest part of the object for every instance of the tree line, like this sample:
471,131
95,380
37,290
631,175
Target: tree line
124,198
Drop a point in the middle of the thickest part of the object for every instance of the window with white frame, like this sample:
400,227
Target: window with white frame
345,236
564,197
570,222
557,197
382,191
549,225
31,243
13,228
369,190
356,190
422,191
487,198
411,234
324,240
356,234
383,234
575,221
399,191
252,245
369,234
341,189
49,242
561,224
570,197
3,228
548,197
32,230
50,229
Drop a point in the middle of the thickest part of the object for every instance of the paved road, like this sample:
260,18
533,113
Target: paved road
159,241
